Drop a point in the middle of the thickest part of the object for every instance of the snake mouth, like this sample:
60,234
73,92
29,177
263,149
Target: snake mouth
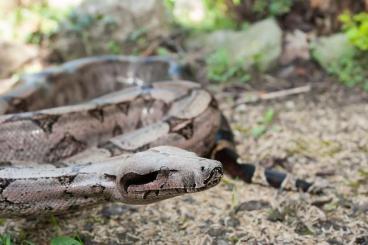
133,182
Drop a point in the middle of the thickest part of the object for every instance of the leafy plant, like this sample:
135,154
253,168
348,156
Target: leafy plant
356,29
211,15
33,23
264,124
220,69
272,8
351,68
65,240
114,47
5,240
218,15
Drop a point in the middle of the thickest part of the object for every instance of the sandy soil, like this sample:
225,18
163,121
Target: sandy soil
319,136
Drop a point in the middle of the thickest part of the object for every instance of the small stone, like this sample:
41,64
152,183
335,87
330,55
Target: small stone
216,232
232,222
252,205
302,229
363,240
116,209
88,227
221,242
334,242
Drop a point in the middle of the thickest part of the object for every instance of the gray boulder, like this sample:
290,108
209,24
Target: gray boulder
260,45
328,50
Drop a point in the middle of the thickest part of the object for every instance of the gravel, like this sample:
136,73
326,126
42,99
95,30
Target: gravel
320,136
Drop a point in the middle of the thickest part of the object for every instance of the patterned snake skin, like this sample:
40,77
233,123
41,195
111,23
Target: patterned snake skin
113,128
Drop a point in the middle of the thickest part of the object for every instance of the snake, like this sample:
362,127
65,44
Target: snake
114,129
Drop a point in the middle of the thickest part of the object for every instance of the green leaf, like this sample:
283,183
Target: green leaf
65,240
5,240
259,131
268,116
162,51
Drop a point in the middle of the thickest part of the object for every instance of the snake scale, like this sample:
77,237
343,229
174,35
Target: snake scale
113,128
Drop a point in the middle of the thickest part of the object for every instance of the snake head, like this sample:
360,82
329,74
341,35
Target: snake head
164,172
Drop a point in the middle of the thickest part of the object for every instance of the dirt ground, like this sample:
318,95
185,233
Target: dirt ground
319,135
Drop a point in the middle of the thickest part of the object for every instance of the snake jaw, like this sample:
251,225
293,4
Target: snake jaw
133,182
170,175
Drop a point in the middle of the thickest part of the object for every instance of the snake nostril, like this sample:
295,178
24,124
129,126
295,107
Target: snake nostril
214,176
218,171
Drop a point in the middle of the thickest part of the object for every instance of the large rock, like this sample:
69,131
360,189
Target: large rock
104,27
328,50
259,46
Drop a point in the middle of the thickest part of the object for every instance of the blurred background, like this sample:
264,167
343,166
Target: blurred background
218,41
291,76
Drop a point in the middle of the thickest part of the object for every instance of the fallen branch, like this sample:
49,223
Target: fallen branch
259,96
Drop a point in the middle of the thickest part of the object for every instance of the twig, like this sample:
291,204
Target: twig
259,96
151,48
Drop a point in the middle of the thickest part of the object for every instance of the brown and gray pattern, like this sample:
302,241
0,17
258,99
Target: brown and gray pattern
105,129
110,148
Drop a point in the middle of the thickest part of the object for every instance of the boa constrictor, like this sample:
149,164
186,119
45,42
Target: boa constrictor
110,128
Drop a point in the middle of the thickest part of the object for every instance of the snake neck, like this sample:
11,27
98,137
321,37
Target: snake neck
29,191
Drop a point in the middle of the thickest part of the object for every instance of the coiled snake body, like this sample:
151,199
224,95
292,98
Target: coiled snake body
82,134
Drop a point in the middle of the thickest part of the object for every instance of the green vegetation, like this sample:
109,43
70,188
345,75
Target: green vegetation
272,8
58,239
219,68
5,239
264,123
351,69
356,29
219,14
65,240
215,15
32,23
